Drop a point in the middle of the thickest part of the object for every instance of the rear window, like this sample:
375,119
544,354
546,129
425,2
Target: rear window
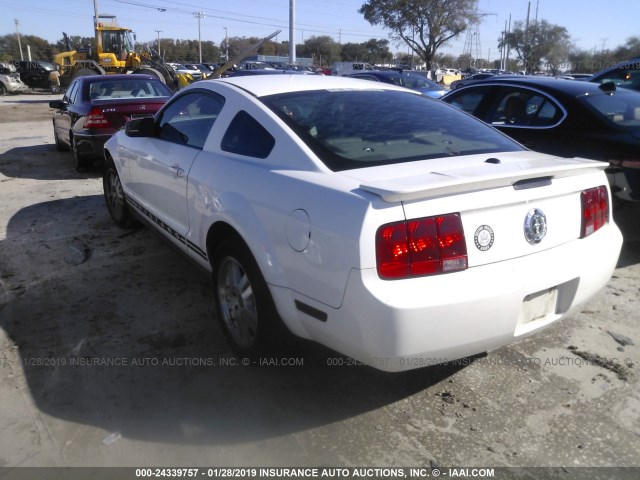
350,129
621,108
129,88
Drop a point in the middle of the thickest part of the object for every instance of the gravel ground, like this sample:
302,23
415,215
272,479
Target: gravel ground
110,356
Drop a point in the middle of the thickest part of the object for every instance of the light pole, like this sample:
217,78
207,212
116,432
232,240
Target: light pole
159,51
292,32
19,44
199,16
226,45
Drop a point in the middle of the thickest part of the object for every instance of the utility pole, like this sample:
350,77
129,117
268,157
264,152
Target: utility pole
18,35
199,16
526,40
226,45
292,32
159,51
508,44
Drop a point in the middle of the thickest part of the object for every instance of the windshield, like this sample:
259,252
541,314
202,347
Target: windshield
418,82
362,128
47,66
129,42
621,108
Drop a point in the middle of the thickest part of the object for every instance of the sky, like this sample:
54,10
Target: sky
592,24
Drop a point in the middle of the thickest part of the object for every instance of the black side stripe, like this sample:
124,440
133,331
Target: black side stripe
181,238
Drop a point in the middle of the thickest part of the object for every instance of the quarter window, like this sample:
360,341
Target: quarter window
245,136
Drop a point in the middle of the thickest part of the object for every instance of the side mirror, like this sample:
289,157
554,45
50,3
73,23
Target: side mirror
57,104
140,127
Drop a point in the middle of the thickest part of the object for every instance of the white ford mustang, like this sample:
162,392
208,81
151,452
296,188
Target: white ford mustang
386,225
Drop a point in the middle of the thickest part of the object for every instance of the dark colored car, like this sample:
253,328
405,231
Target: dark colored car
471,79
564,118
95,107
35,73
403,79
625,74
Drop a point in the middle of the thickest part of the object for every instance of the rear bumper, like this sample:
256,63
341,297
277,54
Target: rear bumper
92,145
406,324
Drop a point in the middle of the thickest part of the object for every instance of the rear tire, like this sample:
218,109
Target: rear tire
150,71
3,89
79,163
114,196
244,306
61,147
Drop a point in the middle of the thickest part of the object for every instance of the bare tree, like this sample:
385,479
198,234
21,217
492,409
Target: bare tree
424,25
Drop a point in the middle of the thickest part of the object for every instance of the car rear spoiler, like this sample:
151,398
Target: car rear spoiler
454,182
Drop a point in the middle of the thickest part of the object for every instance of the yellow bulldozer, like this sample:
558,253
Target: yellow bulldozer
114,53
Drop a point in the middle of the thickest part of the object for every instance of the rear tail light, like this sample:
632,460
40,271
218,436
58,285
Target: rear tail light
96,119
425,246
595,210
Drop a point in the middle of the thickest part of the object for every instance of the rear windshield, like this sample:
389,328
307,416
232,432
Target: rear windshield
350,129
129,88
621,108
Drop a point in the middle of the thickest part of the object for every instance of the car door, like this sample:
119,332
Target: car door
64,117
527,115
530,116
160,166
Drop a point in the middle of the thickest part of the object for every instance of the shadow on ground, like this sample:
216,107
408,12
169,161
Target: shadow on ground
114,329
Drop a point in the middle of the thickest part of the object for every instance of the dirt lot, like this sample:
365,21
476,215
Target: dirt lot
109,355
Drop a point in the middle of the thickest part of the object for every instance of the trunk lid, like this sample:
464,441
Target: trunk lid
119,111
518,204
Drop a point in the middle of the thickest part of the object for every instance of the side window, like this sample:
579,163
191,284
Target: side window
522,107
468,101
189,119
245,136
70,96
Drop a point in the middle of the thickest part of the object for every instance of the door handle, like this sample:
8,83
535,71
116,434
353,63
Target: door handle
177,171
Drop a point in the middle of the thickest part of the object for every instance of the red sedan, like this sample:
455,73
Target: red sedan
95,107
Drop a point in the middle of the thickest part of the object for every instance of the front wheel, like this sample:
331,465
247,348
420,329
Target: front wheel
244,306
114,196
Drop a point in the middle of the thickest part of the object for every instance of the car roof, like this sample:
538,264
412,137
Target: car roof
261,85
116,77
549,84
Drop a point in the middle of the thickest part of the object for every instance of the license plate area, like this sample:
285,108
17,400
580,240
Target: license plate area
540,304
140,115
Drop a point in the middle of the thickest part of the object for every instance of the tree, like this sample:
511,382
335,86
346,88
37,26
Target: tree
630,50
323,49
542,40
424,25
354,52
378,51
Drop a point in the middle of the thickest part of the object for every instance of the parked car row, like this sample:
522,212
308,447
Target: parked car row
559,117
